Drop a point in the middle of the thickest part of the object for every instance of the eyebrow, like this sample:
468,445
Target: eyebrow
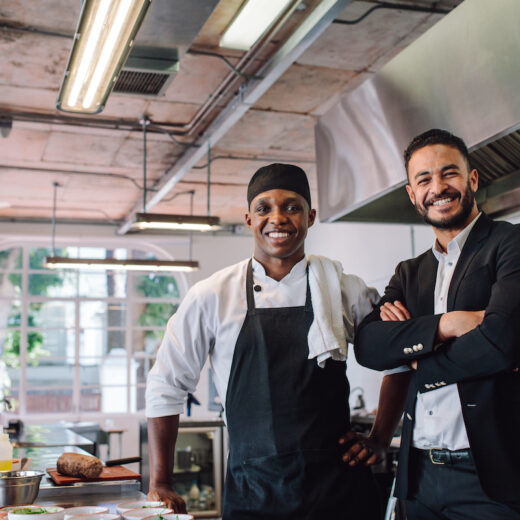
452,166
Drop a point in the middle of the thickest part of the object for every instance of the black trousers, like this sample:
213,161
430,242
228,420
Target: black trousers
450,492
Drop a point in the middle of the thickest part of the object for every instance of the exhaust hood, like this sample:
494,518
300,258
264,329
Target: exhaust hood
463,76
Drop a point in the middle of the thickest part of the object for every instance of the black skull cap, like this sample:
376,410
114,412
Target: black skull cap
278,176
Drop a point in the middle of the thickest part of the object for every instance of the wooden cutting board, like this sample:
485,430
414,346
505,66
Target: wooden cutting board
108,473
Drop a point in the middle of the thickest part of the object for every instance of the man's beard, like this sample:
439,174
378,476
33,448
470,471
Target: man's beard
454,221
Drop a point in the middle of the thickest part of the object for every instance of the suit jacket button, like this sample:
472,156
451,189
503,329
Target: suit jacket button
420,346
407,350
409,416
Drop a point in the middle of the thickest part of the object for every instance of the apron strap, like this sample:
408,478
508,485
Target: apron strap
251,297
249,286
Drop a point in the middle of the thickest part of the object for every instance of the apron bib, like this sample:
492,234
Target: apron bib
285,415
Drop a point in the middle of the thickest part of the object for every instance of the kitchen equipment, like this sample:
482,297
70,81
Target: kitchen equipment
184,458
120,462
111,473
19,487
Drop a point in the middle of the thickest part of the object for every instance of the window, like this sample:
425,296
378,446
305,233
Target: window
76,341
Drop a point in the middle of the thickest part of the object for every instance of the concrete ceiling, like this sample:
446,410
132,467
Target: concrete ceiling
100,169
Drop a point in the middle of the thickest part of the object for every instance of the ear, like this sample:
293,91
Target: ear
473,180
411,194
312,217
248,220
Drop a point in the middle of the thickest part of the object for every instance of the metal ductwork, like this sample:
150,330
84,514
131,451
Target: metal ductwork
462,75
167,32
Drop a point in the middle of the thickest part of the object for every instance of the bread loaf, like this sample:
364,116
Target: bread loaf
77,465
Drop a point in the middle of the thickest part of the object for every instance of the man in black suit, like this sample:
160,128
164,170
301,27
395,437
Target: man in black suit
447,331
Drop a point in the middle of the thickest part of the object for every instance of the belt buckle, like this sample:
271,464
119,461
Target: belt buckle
430,453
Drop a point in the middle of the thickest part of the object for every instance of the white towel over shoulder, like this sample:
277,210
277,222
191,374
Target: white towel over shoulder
336,314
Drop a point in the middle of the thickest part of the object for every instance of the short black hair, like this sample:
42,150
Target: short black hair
435,136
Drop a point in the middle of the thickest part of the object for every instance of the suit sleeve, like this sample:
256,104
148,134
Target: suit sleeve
494,346
384,345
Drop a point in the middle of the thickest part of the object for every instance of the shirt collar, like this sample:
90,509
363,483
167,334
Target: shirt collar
298,270
456,244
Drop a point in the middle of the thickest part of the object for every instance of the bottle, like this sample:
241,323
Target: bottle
194,495
6,453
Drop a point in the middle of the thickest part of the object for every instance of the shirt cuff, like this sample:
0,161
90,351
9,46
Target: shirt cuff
397,370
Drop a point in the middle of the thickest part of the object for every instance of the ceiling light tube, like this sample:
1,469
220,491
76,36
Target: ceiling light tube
251,22
175,222
111,264
104,37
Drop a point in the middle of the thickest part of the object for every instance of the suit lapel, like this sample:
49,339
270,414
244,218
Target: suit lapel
479,232
426,278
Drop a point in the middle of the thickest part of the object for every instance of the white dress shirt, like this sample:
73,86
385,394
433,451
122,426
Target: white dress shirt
209,320
438,414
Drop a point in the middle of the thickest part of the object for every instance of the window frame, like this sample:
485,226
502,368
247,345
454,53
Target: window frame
130,300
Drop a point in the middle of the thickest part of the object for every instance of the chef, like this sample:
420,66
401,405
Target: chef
275,328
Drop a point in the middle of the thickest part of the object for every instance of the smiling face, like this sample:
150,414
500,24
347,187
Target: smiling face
441,187
279,220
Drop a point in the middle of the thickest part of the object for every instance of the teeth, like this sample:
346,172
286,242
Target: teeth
441,202
276,234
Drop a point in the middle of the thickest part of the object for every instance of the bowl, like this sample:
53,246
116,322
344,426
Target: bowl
34,512
97,516
169,516
143,504
83,510
138,514
19,487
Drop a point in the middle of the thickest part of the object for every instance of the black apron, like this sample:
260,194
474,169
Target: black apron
285,416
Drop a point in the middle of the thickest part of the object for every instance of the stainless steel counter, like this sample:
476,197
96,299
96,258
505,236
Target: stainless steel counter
82,493
49,435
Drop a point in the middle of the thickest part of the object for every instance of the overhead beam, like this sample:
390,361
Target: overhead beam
311,28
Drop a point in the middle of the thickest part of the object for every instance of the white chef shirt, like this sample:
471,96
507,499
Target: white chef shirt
209,320
438,414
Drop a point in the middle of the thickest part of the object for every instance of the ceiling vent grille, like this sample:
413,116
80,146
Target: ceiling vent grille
137,82
148,71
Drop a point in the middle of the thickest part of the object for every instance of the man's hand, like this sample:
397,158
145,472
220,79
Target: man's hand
164,493
457,323
362,449
394,312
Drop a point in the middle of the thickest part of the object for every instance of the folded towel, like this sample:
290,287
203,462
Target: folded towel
327,335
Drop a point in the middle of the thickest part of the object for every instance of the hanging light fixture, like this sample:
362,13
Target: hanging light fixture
112,264
251,22
103,39
164,221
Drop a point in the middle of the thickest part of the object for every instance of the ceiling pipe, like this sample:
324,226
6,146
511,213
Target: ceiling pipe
310,29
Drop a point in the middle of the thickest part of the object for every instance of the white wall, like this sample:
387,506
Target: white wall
370,251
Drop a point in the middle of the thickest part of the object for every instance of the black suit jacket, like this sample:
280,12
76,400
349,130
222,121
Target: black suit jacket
481,362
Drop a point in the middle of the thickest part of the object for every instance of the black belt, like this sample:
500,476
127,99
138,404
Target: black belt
444,456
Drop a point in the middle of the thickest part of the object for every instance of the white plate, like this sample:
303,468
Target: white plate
83,510
143,504
138,514
169,516
52,513
97,516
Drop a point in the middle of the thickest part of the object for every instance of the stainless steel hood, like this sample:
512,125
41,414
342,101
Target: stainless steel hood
462,75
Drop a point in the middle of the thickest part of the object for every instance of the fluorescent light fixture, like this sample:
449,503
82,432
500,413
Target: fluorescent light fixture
176,222
104,37
251,22
109,264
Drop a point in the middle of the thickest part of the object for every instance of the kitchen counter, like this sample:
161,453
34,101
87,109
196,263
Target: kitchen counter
81,493
50,435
